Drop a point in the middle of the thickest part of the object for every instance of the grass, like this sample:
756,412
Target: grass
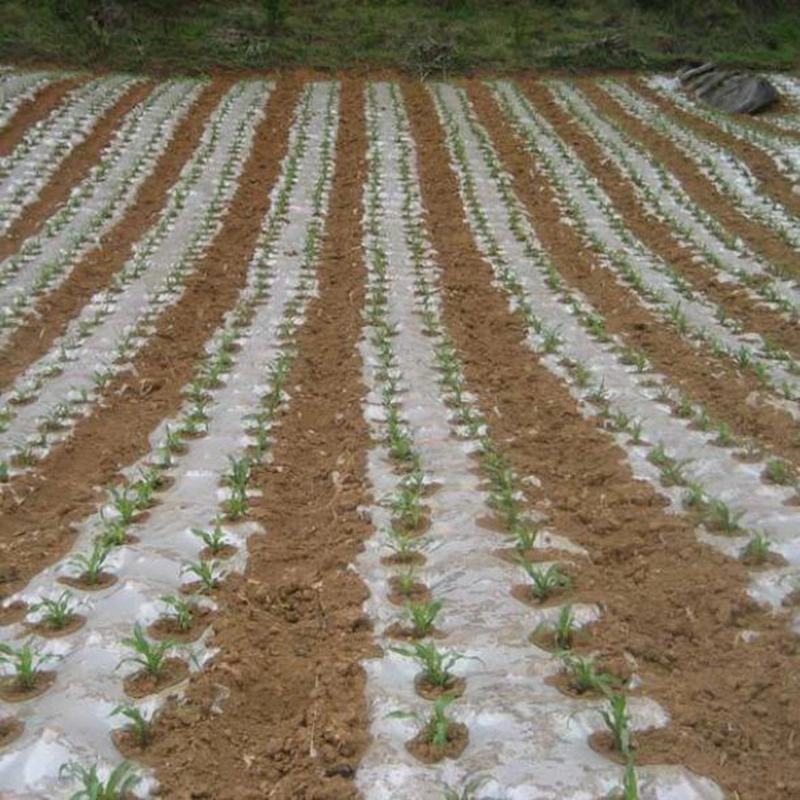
452,36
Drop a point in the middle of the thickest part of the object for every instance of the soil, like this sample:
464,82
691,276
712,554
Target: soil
405,633
167,627
522,592
429,691
676,606
428,753
103,581
142,684
418,593
13,613
11,692
10,730
127,743
603,742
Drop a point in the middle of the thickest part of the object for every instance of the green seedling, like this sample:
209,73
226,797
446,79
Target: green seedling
545,582
57,611
124,503
423,616
435,728
695,496
724,437
5,473
408,509
406,548
120,783
524,536
562,631
719,516
182,610
149,656
467,792
139,724
779,471
26,662
617,721
209,573
214,540
630,783
635,431
436,664
584,676
658,455
404,582
672,474
582,375
757,549
91,566
684,408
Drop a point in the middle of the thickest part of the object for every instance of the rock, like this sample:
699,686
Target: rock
732,90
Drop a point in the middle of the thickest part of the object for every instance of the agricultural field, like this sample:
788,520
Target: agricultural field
389,439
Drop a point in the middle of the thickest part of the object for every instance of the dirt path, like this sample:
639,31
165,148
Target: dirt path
676,606
291,630
37,509
712,382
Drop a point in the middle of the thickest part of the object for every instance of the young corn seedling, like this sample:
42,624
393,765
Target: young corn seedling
407,508
436,665
91,566
58,612
658,455
524,536
779,471
214,540
584,676
181,610
719,516
423,616
139,724
405,582
468,792
26,662
672,473
435,728
545,582
120,783
756,550
617,721
695,496
630,783
236,478
405,548
149,656
5,472
209,573
124,503
725,437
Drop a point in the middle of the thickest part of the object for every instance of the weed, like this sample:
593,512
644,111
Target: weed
436,664
26,662
148,656
139,724
120,782
57,612
545,582
617,721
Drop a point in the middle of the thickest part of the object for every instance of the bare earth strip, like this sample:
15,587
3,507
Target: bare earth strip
292,631
761,239
673,604
37,108
657,234
72,170
712,382
37,510
53,311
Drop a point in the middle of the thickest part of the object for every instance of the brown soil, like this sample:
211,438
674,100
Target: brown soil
406,633
11,692
772,181
39,107
292,632
72,170
545,638
49,631
126,741
759,237
657,234
104,580
676,606
13,613
38,510
226,551
167,627
603,742
430,691
428,753
418,593
712,382
10,730
522,592
142,684
54,310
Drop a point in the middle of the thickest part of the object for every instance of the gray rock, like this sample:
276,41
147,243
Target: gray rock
731,90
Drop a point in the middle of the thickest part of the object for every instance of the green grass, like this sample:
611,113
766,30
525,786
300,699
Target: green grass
452,36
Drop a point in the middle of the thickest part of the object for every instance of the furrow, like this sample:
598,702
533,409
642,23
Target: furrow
104,339
39,509
665,198
681,257
762,239
292,632
35,110
507,706
94,271
94,206
765,196
89,683
52,150
647,567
